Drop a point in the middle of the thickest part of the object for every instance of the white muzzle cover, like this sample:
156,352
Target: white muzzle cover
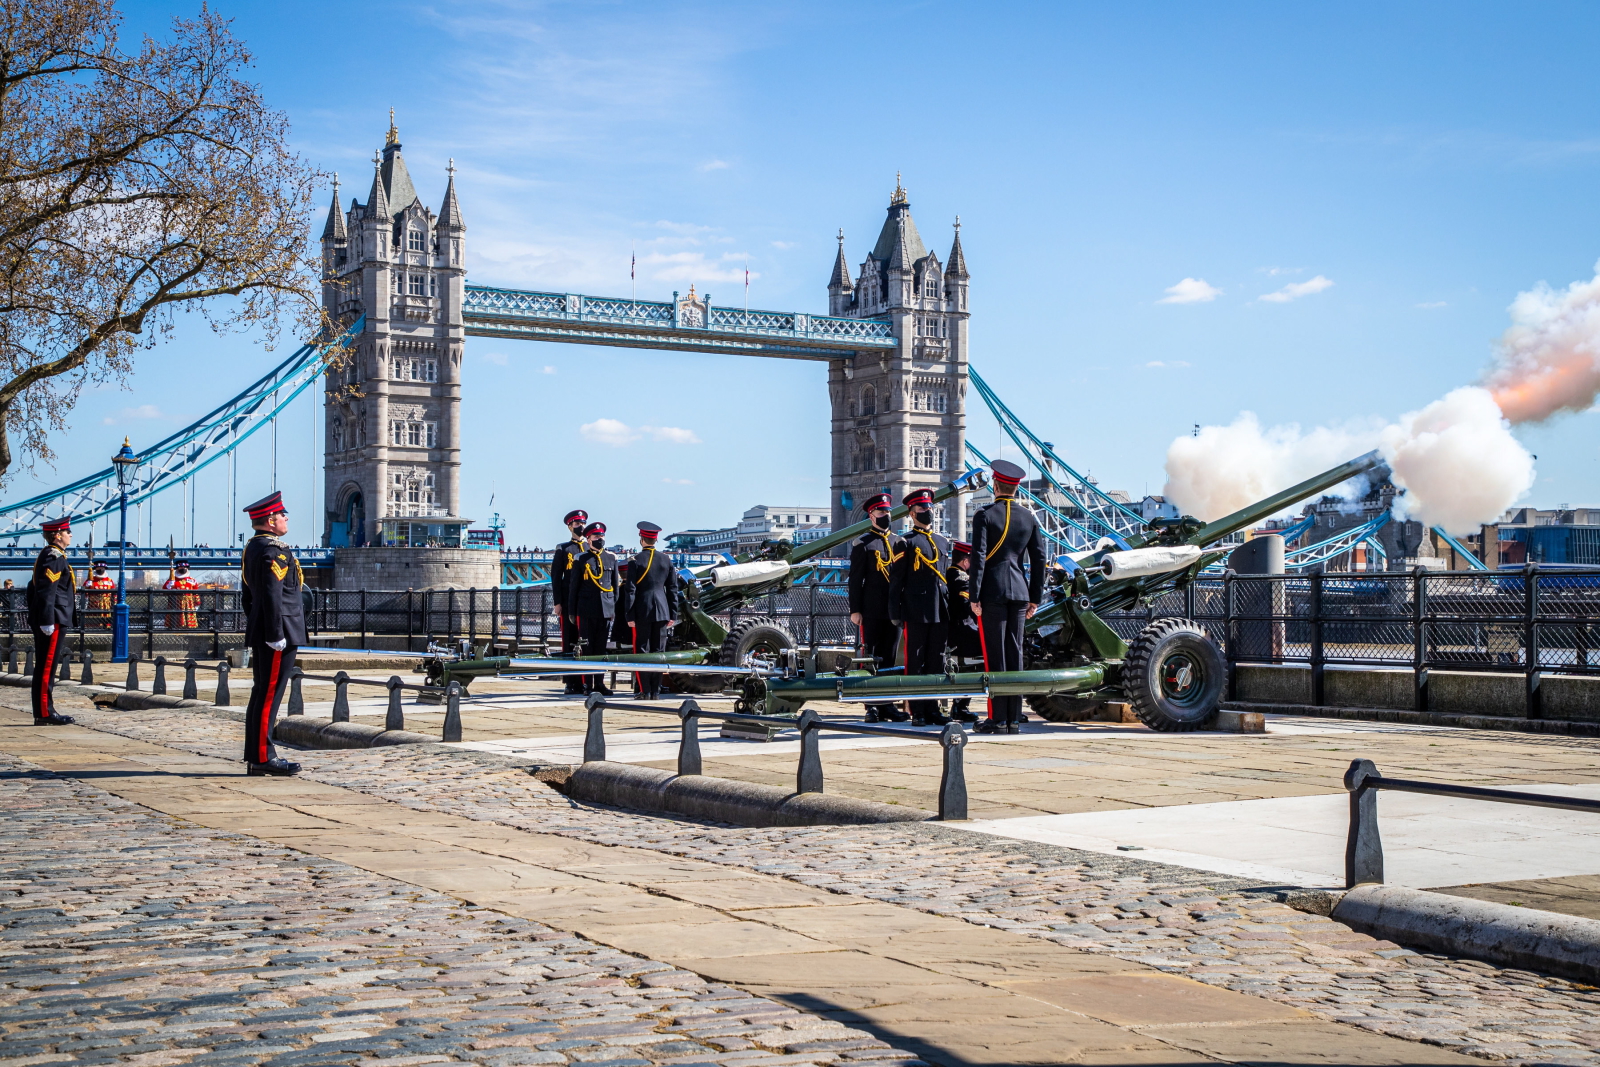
762,570
1138,562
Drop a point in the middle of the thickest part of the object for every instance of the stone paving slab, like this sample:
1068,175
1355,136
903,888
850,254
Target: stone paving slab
1218,931
129,937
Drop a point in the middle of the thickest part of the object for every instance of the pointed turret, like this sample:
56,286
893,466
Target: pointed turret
450,213
899,244
958,258
840,282
377,199
334,229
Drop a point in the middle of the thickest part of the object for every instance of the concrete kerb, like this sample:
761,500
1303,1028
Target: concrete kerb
1559,727
725,800
321,733
1565,945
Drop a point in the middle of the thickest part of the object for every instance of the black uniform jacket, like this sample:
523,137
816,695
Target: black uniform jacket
561,561
270,590
592,588
50,592
649,587
916,580
963,624
871,556
1002,535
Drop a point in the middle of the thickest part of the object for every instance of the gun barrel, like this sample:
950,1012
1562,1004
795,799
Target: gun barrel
1258,511
968,482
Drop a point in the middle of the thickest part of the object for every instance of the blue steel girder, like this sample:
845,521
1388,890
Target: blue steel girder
201,558
594,320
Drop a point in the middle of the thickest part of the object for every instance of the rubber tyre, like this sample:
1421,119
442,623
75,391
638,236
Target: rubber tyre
758,634
1064,707
1162,693
696,684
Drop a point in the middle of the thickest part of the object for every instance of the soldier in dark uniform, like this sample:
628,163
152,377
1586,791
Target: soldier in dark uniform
649,593
918,600
871,557
51,600
963,636
592,598
274,628
560,579
1003,595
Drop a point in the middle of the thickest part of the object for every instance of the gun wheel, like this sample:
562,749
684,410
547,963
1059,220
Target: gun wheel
758,636
1173,676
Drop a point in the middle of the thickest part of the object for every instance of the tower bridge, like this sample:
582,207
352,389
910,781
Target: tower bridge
894,341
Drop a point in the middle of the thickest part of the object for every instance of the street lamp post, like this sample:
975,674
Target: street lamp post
125,461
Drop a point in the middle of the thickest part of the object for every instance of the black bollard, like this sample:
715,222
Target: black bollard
395,719
808,776
191,690
341,697
1363,850
27,667
224,695
87,678
159,685
594,741
297,700
132,684
64,672
452,712
689,743
953,782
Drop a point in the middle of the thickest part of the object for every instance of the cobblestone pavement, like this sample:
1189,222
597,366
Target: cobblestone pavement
128,937
1209,927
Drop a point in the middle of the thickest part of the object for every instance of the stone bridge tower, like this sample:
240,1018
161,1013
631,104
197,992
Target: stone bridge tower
393,433
899,418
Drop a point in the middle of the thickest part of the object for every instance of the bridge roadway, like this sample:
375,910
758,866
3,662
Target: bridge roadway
685,325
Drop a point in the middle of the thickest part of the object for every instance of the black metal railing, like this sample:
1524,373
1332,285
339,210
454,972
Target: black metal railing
394,714
1531,622
1363,851
808,773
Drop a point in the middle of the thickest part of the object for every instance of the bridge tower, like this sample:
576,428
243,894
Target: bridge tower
899,418
393,433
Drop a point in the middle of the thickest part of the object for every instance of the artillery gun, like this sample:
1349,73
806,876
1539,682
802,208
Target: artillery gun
1172,673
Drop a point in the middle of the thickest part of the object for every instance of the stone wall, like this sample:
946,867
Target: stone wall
1564,697
415,568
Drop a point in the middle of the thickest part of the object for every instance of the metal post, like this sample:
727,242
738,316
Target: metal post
363,618
191,691
341,697
159,686
150,623
517,648
132,684
224,697
216,635
1230,645
494,614
410,620
689,743
1530,582
297,699
1419,637
472,614
808,777
594,741
87,677
119,612
544,622
395,719
953,780
1316,639
452,712
1188,600
450,613
1363,849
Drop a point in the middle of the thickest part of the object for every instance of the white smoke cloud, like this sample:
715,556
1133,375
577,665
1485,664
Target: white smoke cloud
1457,462
1548,361
1295,290
1190,291
1455,459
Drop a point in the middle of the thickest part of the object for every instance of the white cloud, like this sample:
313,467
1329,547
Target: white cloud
695,267
1167,363
608,432
1435,304
671,435
714,164
549,369
143,411
617,434
1191,291
1295,290
499,359
783,244
678,481
1275,271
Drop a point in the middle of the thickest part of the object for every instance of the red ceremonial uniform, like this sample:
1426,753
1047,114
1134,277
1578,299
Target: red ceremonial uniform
186,617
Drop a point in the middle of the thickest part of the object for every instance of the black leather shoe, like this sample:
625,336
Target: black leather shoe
1013,728
53,719
275,768
963,716
871,716
895,715
987,726
935,718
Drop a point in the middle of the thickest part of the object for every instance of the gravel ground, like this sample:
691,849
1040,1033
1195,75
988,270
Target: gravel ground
1219,930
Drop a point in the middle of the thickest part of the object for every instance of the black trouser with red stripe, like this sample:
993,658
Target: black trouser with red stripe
1002,639
649,637
880,639
47,653
594,631
570,646
270,670
925,643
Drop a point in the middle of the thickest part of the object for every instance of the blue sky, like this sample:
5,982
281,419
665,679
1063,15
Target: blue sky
1429,160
